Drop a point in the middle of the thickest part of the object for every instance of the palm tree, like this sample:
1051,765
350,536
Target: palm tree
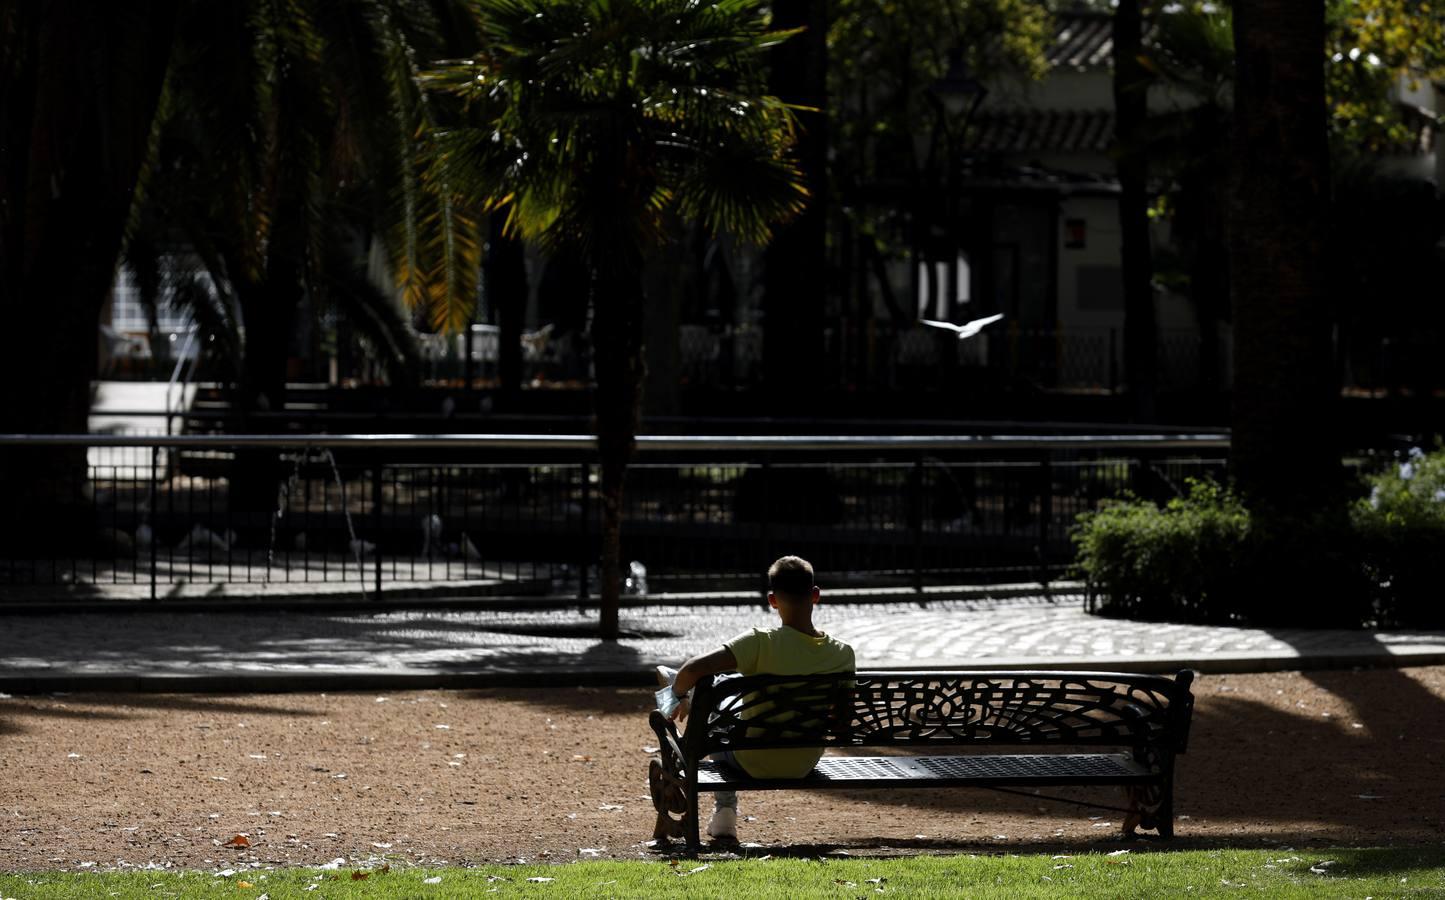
598,125
289,140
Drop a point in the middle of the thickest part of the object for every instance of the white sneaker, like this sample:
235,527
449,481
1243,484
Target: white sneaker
665,675
724,824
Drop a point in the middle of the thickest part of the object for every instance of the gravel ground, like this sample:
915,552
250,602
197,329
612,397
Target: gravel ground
1289,759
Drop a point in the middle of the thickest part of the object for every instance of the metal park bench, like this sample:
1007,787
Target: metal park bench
1098,728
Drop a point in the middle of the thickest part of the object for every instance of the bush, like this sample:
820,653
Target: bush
1184,561
1205,558
1401,531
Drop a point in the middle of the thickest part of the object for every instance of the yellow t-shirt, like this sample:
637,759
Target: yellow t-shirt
786,651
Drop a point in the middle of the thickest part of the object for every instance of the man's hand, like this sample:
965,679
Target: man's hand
684,706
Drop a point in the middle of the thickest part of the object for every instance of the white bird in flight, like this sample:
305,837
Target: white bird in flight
967,329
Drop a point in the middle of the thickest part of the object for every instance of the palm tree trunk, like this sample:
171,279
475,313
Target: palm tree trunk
1285,456
79,84
618,355
506,284
1131,110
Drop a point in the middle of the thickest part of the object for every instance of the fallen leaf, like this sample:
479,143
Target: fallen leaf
244,884
360,876
239,840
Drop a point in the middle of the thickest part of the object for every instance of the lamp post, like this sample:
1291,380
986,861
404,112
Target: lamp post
956,95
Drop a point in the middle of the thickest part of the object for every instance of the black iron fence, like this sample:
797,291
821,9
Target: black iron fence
519,514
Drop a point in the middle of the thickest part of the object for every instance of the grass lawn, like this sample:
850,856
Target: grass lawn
1375,873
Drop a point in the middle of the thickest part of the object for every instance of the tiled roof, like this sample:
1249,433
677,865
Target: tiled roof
1036,130
1085,40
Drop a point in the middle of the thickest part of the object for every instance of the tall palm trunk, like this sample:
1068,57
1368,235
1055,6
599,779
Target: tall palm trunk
1131,111
795,267
617,353
79,85
1284,455
505,278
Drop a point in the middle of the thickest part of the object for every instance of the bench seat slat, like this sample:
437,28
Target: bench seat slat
939,771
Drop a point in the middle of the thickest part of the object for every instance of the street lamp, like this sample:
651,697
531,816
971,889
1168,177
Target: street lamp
958,91
957,95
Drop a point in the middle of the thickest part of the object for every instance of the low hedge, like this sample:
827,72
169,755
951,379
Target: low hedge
1204,558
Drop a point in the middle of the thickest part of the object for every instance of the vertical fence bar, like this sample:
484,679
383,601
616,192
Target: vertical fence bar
584,554
767,509
1046,515
915,491
151,508
376,526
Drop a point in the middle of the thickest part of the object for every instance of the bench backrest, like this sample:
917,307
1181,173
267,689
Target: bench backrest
880,709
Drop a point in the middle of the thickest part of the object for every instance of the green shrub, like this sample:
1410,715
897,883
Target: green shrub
1184,561
1401,539
1205,558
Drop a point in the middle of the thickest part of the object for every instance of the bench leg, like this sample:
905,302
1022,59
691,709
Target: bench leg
1165,815
668,798
1151,807
690,821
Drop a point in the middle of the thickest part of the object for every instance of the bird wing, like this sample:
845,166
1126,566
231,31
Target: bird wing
971,329
949,325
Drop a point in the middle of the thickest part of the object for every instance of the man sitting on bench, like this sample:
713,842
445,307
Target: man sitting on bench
793,648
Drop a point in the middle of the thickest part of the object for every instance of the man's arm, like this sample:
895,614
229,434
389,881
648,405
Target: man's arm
700,666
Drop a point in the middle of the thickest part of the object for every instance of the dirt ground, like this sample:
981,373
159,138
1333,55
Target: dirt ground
1290,759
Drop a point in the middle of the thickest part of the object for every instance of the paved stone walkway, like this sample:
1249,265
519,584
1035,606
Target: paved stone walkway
323,650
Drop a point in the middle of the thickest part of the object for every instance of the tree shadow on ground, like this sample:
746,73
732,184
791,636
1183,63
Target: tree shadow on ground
422,641
120,707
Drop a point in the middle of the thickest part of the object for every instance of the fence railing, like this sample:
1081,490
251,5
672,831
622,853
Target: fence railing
512,515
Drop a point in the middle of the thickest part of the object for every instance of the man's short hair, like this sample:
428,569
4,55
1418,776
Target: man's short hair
791,576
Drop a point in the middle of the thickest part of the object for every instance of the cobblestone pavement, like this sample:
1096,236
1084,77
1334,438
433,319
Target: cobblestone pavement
415,646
